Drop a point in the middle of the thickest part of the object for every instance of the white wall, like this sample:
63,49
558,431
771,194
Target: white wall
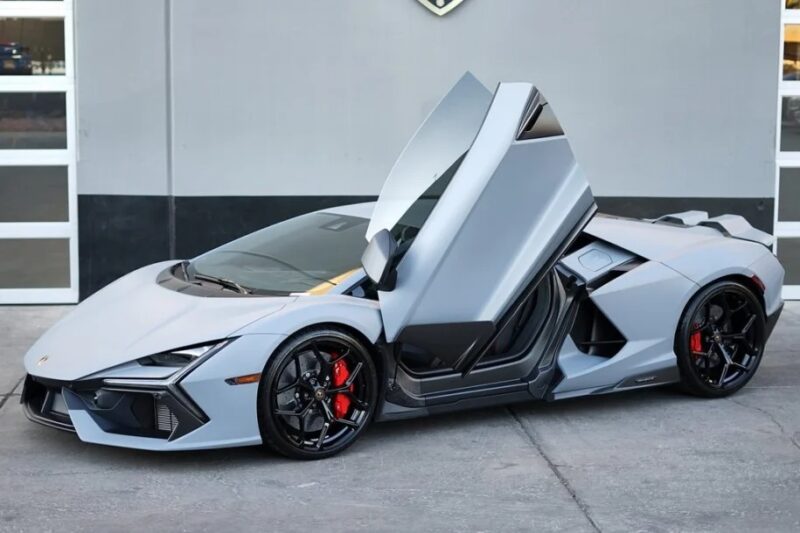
269,97
121,94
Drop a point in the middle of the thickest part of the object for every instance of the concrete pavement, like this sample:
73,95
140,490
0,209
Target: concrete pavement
650,460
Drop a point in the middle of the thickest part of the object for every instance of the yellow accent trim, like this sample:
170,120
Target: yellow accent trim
326,286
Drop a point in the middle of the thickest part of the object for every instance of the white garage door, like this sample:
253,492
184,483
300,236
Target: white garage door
38,200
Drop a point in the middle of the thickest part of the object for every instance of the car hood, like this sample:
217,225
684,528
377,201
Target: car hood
134,317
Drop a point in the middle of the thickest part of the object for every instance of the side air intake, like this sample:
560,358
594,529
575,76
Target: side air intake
593,333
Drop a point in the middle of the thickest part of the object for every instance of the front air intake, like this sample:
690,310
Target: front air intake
165,419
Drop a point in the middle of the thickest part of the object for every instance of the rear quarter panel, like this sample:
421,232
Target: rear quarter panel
726,257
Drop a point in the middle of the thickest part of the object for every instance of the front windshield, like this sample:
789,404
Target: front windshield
310,253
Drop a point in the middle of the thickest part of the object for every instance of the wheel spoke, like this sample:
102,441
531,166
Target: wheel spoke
724,353
749,325
739,307
302,412
346,422
353,374
322,435
723,375
726,309
350,380
345,353
324,364
289,387
301,429
707,355
326,409
361,405
297,370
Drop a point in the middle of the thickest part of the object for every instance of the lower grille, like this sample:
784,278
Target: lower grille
165,418
45,405
120,408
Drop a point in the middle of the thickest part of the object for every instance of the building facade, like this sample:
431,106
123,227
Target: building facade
161,128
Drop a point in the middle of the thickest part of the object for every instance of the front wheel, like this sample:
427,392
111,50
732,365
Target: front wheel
317,394
720,340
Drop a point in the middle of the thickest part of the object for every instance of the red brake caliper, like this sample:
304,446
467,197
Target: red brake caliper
341,402
696,341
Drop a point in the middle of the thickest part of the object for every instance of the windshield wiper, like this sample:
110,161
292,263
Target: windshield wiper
227,283
280,262
185,270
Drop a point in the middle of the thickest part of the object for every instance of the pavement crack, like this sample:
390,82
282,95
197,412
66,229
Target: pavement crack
4,398
772,418
584,508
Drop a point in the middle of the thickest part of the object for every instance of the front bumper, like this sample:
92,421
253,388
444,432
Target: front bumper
191,410
157,411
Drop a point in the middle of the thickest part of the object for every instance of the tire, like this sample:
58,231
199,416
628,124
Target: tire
720,340
317,394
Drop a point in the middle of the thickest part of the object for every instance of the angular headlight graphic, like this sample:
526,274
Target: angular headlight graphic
181,356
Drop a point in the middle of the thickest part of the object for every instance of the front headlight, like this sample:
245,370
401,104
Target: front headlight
181,356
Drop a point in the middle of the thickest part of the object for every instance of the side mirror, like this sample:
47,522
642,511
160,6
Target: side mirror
378,260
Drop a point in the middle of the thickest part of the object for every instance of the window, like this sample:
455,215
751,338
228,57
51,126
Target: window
34,194
791,52
540,120
789,195
34,263
33,121
413,219
38,201
32,46
307,253
789,256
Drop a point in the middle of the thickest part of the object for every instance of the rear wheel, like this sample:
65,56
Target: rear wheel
317,394
720,340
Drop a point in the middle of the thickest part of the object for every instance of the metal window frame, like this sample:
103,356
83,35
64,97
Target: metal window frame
67,157
784,229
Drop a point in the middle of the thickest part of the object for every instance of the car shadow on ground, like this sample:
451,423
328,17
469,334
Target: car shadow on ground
412,431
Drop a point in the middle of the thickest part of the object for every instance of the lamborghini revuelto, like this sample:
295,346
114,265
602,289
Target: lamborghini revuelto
481,276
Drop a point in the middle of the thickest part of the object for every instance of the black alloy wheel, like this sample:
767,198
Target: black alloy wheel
720,339
317,394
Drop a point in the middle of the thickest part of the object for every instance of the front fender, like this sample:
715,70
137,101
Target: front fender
358,313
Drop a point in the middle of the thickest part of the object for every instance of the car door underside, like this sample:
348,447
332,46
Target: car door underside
518,364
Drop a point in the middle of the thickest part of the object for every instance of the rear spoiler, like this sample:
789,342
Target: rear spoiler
734,226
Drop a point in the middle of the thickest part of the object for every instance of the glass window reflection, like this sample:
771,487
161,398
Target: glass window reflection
31,46
33,121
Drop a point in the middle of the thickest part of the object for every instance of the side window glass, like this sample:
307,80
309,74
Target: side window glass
413,219
540,120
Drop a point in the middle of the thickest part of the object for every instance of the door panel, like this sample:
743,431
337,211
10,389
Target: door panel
505,212
441,140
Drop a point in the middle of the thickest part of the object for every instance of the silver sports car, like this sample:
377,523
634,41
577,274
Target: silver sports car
481,276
